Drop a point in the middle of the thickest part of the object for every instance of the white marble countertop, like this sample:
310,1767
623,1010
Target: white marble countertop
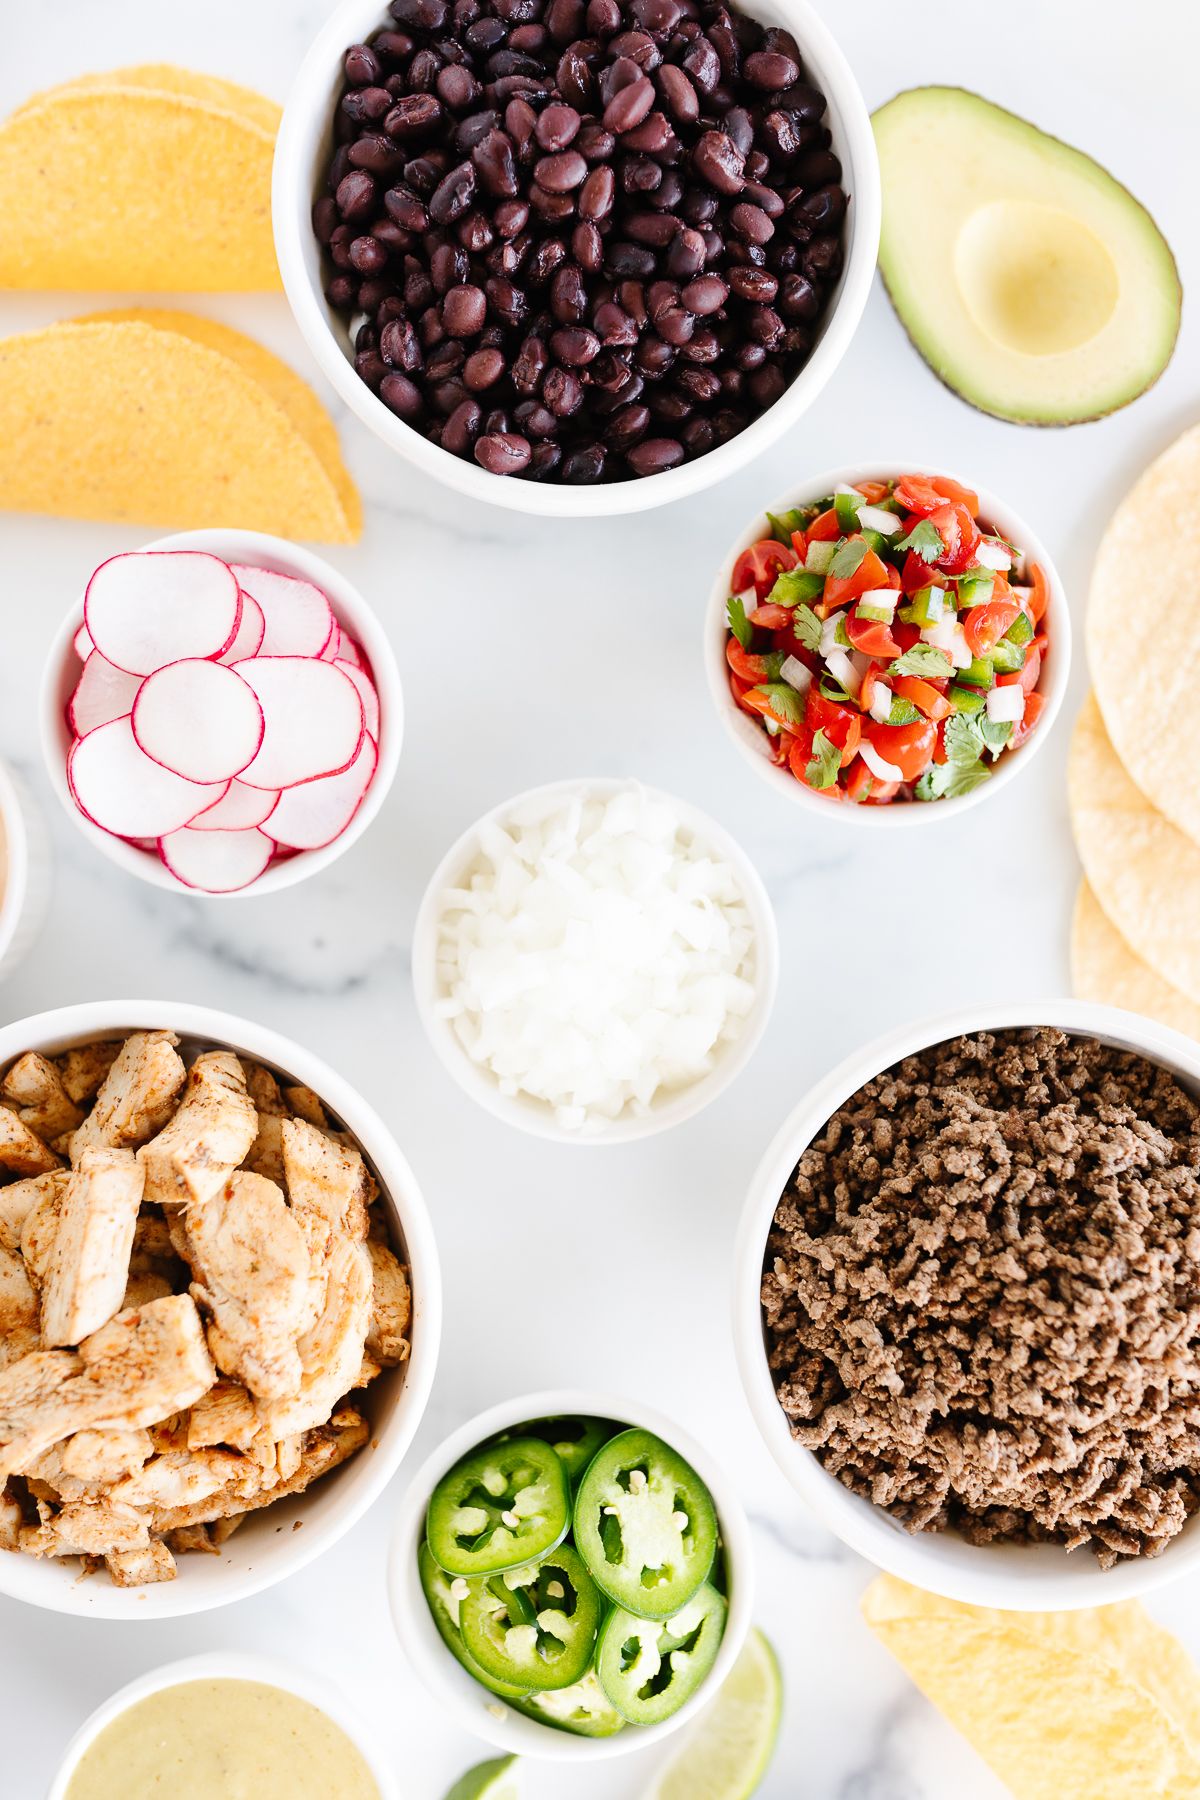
593,632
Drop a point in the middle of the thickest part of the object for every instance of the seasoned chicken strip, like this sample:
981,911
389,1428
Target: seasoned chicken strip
331,1353
19,1319
194,1155
41,1225
140,1288
153,1252
83,1069
179,1478
225,1415
190,1538
253,1278
86,1528
34,1086
307,1105
105,1456
89,1263
391,1307
18,1200
138,1568
136,1369
323,1449
136,1097
12,1519
21,1150
327,1185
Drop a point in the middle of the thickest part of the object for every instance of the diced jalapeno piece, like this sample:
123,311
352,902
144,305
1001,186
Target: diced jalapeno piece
975,589
1020,631
927,606
966,699
783,524
792,586
873,606
445,1608
819,555
535,1627
846,507
584,1709
1006,656
645,1525
902,712
979,674
501,1506
649,1667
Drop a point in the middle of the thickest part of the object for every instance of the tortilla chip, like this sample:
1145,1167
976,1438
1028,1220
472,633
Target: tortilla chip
1143,870
1104,968
127,187
165,78
1143,631
123,420
1100,1704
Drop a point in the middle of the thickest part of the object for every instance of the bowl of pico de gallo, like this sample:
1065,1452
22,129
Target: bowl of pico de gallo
888,645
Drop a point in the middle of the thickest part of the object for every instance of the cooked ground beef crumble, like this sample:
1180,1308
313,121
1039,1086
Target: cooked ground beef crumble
981,1294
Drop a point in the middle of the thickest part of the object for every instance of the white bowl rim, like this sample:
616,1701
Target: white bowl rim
14,848
351,608
291,203
530,1115
367,1475
227,1665
433,1662
1014,1577
747,738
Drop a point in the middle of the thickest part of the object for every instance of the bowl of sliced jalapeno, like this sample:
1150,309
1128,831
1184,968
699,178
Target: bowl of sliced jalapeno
571,1576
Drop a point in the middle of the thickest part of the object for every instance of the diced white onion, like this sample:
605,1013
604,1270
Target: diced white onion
993,556
845,488
772,727
1006,703
873,518
948,635
883,598
843,671
879,765
749,600
819,555
881,702
829,633
796,674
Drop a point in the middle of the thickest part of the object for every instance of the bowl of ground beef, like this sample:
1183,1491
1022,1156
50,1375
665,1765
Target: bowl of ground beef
576,257
967,1307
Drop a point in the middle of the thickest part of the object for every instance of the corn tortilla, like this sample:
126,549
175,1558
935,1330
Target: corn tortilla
1105,969
1144,871
166,78
1098,1704
1143,631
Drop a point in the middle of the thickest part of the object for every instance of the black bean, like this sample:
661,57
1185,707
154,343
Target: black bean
414,116
717,160
557,126
751,222
531,364
587,247
594,143
584,466
535,420
574,345
356,195
545,460
823,209
565,20
624,258
464,310
596,195
325,218
705,294
363,68
703,64
628,426
817,168
403,396
560,173
653,455
398,346
568,296
485,35
770,70
376,153
629,106
502,453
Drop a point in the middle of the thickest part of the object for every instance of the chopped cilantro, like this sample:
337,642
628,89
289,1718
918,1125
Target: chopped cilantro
807,627
847,557
822,771
922,659
946,781
786,703
925,540
996,733
739,624
963,738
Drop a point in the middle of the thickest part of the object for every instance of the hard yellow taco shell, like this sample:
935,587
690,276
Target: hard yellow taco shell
1105,969
121,419
129,187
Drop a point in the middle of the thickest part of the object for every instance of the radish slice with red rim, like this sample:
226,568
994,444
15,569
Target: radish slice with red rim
366,693
314,813
199,719
299,619
118,787
82,643
147,608
217,862
343,648
250,632
313,719
240,808
103,692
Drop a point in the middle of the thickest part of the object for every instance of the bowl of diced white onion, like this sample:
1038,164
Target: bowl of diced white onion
595,961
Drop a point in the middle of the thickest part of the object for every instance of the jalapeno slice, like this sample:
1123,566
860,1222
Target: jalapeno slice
445,1607
535,1627
584,1709
501,1506
645,1525
574,1441
649,1667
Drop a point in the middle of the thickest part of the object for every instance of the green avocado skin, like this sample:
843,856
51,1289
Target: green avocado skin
973,129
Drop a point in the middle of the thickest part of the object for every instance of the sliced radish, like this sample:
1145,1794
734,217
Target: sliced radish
343,648
121,789
299,619
82,642
151,607
103,692
241,808
313,717
366,693
314,813
250,632
218,862
198,719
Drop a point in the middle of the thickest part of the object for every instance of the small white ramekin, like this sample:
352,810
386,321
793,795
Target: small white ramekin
751,740
24,871
535,1116
1019,1577
301,154
63,669
228,1665
474,1707
267,1548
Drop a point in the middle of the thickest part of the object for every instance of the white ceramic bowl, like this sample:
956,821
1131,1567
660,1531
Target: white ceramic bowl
267,1548
533,1115
228,1665
752,742
474,1707
63,668
1020,1577
301,157
24,871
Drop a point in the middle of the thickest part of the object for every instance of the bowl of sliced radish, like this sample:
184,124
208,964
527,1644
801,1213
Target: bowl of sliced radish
221,714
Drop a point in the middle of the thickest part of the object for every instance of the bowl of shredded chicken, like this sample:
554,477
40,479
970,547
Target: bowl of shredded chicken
219,1308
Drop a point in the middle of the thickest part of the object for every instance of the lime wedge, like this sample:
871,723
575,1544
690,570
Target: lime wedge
492,1780
725,1754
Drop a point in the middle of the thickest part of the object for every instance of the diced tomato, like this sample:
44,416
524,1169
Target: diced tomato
870,681
739,689
872,637
884,791
758,566
859,780
960,535
872,491
906,634
985,625
924,695
916,573
909,747
939,748
870,573
842,725
771,618
893,575
1039,598
751,668
1027,675
786,640
824,528
800,546
1034,707
923,494
800,752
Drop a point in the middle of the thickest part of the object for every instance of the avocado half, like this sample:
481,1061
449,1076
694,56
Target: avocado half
1031,282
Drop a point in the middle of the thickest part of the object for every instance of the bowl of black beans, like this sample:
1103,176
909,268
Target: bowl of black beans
576,256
